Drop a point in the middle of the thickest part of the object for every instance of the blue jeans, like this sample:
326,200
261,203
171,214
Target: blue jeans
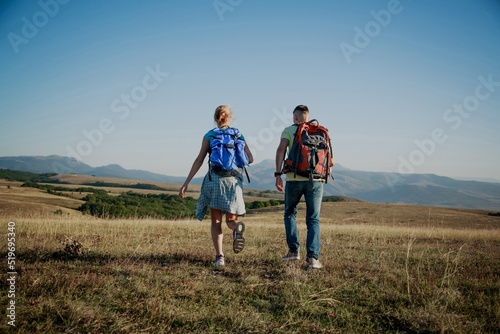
313,195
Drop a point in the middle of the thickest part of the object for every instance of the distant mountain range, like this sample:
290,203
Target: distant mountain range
67,165
378,187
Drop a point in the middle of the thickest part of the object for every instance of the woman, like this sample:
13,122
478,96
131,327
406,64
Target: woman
223,194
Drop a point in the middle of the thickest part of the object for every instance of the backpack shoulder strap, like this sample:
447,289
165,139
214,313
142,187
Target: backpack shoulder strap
234,132
300,128
215,132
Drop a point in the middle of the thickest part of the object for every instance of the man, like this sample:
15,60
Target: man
295,187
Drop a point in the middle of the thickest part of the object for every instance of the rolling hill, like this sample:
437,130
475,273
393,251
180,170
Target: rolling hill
378,187
66,165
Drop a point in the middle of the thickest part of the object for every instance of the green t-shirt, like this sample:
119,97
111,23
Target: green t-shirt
289,133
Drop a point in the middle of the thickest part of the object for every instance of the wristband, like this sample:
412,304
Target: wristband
278,173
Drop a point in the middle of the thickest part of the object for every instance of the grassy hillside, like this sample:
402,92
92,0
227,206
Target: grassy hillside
105,197
388,269
381,187
152,276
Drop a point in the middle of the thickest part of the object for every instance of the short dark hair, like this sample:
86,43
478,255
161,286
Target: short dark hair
302,109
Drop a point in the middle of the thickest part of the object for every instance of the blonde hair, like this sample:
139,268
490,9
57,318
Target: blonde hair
223,115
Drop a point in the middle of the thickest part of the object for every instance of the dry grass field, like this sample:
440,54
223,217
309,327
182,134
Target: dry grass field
388,269
17,201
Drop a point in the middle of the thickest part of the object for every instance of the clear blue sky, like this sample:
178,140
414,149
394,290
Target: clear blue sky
408,86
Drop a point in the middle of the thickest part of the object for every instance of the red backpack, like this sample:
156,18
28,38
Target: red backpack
311,154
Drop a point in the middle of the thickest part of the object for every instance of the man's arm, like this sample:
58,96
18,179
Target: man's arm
280,156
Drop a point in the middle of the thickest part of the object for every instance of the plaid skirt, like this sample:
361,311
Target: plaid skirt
223,193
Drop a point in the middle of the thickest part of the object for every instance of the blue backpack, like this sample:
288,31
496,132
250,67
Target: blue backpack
227,153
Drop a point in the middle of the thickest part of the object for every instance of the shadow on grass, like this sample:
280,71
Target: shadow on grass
163,260
267,269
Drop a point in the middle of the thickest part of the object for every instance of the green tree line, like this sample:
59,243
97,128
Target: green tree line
262,204
20,176
56,190
146,186
133,205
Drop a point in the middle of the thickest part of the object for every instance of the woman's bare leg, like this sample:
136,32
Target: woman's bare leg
231,220
216,229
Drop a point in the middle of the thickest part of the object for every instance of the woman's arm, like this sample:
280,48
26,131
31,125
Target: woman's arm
198,162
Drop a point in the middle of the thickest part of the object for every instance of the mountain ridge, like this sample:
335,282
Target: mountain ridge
378,187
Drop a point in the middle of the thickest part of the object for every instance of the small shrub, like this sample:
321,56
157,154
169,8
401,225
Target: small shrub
72,247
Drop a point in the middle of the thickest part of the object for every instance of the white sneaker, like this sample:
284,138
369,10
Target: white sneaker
314,263
219,260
